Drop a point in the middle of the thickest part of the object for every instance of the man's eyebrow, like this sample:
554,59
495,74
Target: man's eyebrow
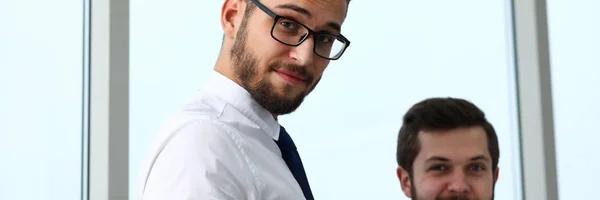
437,158
335,26
479,157
442,159
295,8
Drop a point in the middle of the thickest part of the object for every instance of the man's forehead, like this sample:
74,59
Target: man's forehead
458,143
461,135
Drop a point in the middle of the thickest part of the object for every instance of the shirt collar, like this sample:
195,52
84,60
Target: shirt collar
238,97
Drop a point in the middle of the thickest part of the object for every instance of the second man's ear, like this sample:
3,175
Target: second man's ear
405,183
496,173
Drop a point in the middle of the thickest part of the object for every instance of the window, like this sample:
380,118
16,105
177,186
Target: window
405,52
400,54
42,110
170,54
575,66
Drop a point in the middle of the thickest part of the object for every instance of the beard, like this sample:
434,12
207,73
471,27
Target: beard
415,195
245,67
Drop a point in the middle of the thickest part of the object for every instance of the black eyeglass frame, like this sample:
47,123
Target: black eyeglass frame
310,32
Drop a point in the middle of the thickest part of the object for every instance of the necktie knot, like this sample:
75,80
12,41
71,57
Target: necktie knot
285,140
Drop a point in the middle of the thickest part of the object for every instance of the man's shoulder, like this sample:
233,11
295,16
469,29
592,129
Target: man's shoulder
196,148
203,104
203,140
203,110
205,118
200,129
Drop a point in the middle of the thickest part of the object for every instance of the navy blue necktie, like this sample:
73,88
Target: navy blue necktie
292,159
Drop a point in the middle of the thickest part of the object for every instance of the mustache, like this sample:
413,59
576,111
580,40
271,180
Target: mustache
299,69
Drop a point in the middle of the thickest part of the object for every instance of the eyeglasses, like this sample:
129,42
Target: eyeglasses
293,33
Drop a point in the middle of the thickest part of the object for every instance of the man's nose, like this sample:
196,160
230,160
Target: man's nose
459,183
303,54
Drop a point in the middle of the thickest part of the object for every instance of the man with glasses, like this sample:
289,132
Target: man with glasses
226,143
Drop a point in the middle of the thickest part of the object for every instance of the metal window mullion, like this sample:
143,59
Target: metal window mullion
535,100
109,99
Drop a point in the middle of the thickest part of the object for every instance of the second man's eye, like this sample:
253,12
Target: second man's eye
438,168
476,168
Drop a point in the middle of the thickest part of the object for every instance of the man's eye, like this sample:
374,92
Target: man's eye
289,25
476,168
438,168
325,39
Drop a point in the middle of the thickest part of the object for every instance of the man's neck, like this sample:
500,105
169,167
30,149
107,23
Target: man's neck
223,66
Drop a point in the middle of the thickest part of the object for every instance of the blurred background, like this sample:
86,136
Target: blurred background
402,52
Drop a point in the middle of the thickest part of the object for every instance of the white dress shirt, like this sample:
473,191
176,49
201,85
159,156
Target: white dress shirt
219,147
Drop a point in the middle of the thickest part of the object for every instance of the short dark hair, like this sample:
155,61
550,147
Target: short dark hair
250,6
441,114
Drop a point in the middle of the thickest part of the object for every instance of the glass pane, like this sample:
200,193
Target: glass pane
575,66
346,130
41,81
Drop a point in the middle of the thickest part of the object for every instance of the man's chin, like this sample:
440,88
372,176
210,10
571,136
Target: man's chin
275,99
288,97
289,91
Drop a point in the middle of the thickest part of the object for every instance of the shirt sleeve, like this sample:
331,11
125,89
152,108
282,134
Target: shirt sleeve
201,161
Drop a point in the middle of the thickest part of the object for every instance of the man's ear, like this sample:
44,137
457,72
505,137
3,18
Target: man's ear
496,174
231,16
404,181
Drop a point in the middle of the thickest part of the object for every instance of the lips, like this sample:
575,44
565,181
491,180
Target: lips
291,74
290,77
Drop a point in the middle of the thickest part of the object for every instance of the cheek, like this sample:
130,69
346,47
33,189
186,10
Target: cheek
321,65
483,187
265,48
429,187
319,70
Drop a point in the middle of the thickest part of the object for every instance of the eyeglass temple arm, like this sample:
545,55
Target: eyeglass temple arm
264,8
